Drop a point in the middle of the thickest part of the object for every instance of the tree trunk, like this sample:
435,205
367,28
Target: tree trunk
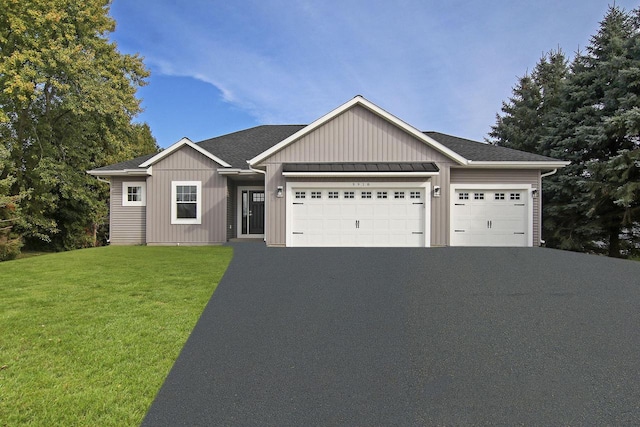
614,242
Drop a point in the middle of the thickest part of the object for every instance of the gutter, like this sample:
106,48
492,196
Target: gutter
544,175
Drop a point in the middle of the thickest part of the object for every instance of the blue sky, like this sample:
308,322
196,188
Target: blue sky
446,65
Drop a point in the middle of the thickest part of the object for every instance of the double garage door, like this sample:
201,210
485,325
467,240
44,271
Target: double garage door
490,217
361,216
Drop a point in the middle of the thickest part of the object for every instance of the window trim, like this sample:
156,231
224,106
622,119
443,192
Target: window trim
174,203
125,193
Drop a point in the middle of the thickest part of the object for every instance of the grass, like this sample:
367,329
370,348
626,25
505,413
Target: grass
87,337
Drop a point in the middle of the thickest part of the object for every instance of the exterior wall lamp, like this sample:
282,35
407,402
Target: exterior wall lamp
436,191
279,191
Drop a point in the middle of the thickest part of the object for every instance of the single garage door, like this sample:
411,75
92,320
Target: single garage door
489,217
357,217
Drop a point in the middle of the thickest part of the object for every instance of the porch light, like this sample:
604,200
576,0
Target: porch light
279,191
436,191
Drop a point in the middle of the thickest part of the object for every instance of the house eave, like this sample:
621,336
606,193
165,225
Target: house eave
123,172
237,171
359,174
517,164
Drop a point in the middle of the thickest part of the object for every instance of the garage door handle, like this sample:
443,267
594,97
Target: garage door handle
298,203
458,231
416,232
418,203
297,232
460,204
518,232
518,204
489,224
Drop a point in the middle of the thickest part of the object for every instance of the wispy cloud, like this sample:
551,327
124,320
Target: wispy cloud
438,65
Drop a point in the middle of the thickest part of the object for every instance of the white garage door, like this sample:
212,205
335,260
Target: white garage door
357,217
488,217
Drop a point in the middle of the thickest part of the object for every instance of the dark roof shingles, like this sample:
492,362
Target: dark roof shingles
482,152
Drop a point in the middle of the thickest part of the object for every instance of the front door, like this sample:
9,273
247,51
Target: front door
252,209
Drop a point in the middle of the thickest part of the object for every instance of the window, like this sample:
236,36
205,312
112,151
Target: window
498,196
349,194
316,194
463,196
365,194
301,194
333,194
186,205
133,193
258,197
478,196
415,194
514,196
381,194
398,194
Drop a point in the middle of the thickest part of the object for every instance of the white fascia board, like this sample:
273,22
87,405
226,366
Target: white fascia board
520,165
237,171
184,141
358,174
359,100
123,172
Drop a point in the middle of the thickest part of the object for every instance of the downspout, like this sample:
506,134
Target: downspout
544,175
265,215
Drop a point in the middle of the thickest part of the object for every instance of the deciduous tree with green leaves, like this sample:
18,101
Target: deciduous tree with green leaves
68,98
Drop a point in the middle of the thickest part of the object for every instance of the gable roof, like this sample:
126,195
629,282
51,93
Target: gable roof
233,150
178,145
361,101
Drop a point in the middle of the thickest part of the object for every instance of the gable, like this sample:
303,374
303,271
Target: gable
357,135
185,158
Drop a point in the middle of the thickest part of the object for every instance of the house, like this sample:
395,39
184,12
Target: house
358,176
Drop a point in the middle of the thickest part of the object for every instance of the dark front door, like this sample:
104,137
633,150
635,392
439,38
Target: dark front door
253,212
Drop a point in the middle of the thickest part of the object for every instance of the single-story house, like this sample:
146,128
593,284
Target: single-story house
357,176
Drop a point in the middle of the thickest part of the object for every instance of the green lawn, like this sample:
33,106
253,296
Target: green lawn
87,337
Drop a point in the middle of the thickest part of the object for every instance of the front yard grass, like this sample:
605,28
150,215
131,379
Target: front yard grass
87,337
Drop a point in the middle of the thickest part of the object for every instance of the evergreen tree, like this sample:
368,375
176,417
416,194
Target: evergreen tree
589,115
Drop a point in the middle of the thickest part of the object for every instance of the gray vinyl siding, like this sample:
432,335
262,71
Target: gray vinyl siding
186,164
231,209
505,176
127,224
357,135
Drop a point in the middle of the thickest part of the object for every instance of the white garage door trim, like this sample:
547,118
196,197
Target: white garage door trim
356,185
491,187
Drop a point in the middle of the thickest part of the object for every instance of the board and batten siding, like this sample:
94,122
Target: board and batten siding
127,224
505,176
357,135
186,164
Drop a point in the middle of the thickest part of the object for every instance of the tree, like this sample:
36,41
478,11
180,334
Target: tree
535,100
10,243
68,99
589,115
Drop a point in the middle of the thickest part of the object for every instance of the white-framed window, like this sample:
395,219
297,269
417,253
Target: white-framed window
365,194
316,194
134,193
333,194
301,194
398,194
349,194
514,196
186,202
463,196
478,196
498,196
381,195
416,194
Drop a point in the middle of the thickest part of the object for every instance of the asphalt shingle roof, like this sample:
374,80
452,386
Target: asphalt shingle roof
238,147
482,152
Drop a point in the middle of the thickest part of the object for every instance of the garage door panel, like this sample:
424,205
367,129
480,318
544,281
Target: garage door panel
371,217
487,217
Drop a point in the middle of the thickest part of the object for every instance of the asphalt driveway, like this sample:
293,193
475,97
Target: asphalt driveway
407,337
